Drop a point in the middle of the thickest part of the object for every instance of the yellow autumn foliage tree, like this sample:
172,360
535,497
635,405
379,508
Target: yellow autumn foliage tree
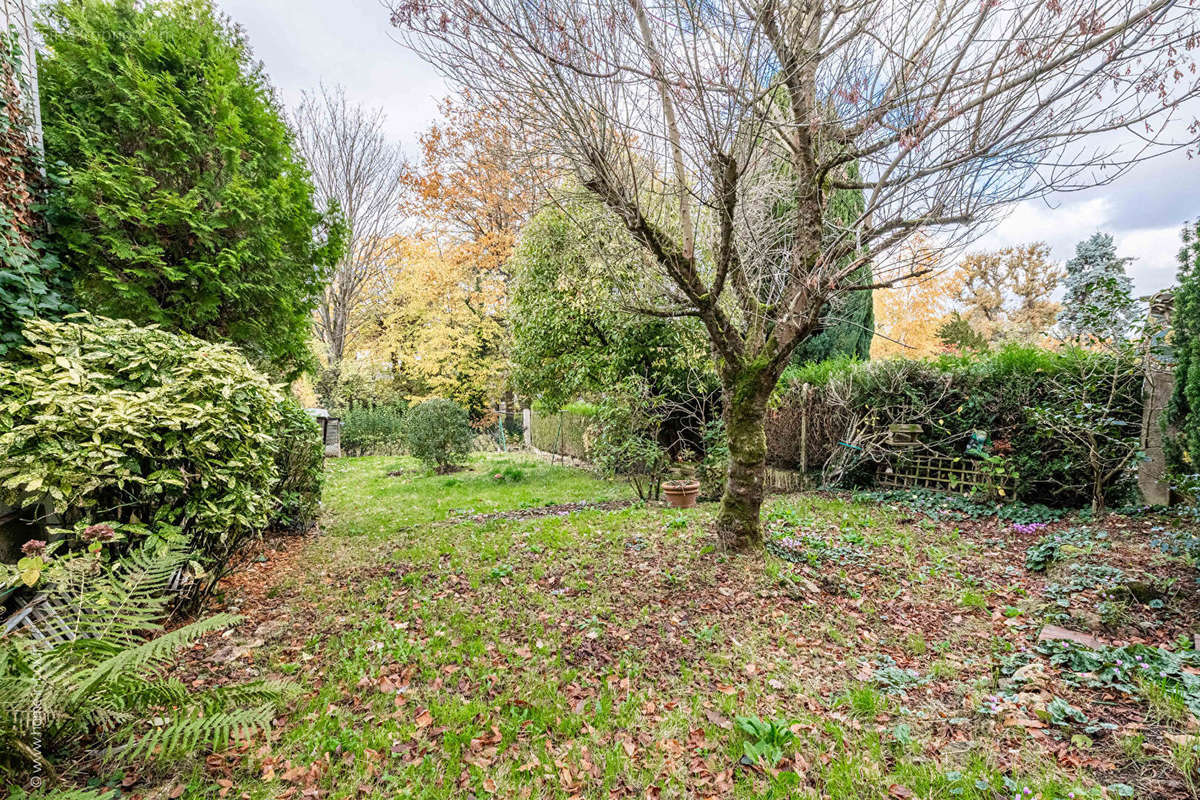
908,315
439,331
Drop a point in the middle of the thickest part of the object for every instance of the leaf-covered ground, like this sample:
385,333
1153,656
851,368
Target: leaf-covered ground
442,648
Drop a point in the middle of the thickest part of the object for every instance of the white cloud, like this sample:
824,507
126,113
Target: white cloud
1156,252
304,42
1153,249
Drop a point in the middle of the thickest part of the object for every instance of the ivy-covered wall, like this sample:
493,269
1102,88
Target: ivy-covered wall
29,274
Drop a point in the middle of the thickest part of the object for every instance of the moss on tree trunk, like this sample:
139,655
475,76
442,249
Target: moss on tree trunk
745,413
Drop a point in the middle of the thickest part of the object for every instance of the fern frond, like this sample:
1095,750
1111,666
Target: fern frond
150,653
139,693
134,596
191,731
244,694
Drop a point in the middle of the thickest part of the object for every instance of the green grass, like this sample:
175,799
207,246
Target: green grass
610,652
363,499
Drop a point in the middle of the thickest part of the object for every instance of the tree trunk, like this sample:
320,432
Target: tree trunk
1098,504
745,414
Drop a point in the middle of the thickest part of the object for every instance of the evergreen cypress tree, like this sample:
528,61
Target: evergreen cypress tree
850,322
181,200
1184,411
1099,301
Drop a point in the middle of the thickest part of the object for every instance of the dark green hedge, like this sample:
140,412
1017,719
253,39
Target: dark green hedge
1185,344
1016,394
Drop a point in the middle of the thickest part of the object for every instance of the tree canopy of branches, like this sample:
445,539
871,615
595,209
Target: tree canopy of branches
182,201
677,115
1005,294
356,170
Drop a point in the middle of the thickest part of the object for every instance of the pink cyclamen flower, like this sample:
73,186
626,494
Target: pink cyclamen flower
34,547
99,533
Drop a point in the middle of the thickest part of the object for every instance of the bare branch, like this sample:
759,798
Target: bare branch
355,166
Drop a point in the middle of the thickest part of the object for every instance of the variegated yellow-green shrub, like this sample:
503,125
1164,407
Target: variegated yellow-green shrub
168,437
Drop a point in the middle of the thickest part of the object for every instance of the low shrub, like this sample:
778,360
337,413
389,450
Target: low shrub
373,431
300,466
165,435
624,438
438,433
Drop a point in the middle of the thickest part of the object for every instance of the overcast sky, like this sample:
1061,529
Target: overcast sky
305,42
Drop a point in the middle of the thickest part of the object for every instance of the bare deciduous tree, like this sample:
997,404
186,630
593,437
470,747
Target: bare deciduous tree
718,132
354,165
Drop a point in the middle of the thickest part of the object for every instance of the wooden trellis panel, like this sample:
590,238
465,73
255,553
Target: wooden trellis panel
41,619
955,474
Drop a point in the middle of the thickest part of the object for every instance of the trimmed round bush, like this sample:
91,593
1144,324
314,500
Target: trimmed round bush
438,433
300,464
164,437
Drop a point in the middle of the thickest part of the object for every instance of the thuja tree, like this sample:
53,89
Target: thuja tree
677,116
848,322
1184,411
183,202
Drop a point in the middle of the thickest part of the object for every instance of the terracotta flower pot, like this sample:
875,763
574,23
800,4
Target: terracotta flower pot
681,494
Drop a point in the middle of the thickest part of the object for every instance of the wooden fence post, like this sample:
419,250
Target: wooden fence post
804,391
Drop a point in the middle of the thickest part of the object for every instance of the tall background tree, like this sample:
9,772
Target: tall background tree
1006,294
669,114
473,187
571,335
440,332
848,321
909,313
357,170
183,202
1099,300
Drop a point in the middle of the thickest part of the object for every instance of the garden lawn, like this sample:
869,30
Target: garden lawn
441,653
